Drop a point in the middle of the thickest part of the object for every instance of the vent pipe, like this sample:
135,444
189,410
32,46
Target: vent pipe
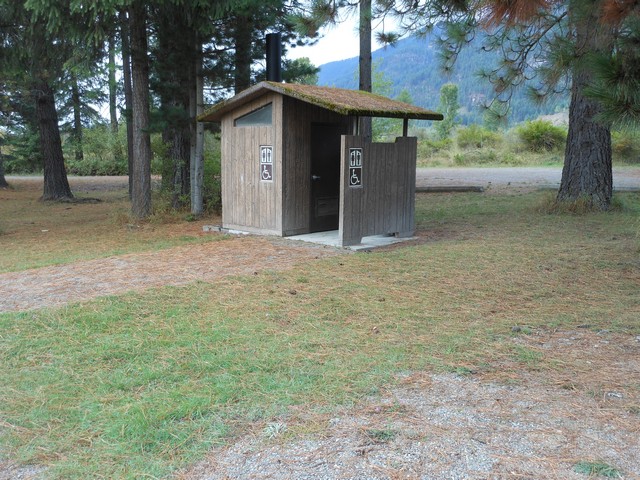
274,57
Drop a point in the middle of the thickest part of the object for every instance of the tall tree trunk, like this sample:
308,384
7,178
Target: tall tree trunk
141,168
3,181
176,82
197,159
242,36
77,119
128,93
587,172
178,140
364,76
56,185
113,101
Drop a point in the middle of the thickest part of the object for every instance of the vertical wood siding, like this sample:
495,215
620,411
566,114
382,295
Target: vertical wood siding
247,203
385,204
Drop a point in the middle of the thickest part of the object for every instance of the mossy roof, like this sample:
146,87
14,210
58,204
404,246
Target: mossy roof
339,100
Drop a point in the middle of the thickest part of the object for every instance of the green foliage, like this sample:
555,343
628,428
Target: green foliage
22,152
449,107
475,136
104,153
300,70
626,145
212,194
386,129
486,156
428,147
541,135
597,468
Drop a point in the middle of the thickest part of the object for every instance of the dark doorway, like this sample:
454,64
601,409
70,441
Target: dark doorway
325,177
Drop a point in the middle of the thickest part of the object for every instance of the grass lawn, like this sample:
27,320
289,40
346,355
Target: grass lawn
35,234
138,385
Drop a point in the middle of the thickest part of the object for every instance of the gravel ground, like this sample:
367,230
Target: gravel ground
624,178
516,178
534,426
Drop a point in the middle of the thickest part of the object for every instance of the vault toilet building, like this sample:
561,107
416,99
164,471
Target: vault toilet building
293,163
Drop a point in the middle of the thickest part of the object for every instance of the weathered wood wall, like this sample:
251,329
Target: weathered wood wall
247,203
297,118
385,203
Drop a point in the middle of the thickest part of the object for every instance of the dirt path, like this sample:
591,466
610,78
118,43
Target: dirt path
59,285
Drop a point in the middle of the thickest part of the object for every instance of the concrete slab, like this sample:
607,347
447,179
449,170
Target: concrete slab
330,238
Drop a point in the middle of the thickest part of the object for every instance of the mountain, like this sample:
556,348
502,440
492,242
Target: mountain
414,64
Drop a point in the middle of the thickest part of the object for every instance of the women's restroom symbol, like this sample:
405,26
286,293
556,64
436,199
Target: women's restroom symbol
266,163
355,167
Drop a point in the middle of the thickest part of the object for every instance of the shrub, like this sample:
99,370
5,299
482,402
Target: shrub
428,148
475,136
626,146
104,153
476,157
541,136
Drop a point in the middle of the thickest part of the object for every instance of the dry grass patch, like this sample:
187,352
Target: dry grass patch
35,234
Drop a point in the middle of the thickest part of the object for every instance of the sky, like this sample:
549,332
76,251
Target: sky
337,42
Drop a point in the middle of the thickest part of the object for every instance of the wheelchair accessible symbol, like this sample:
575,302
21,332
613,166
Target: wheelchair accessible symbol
266,163
355,167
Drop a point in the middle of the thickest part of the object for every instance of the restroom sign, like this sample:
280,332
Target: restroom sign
355,167
266,163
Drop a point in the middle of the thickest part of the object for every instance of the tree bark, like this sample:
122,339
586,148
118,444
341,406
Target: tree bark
141,165
128,94
242,37
175,87
56,185
587,173
3,181
197,160
113,109
365,82
77,119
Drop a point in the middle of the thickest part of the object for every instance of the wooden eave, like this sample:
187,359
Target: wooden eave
345,102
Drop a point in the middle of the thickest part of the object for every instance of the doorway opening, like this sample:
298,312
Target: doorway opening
325,176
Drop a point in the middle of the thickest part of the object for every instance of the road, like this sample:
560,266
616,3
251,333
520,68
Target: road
624,178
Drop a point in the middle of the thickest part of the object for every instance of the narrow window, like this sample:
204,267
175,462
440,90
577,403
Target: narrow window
258,118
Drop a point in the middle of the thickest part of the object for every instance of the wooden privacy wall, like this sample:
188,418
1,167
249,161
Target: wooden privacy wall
381,200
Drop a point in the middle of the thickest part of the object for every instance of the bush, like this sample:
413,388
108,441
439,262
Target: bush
541,136
475,136
476,157
104,153
428,148
21,152
626,146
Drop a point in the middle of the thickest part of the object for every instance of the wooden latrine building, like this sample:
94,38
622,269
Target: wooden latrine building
292,163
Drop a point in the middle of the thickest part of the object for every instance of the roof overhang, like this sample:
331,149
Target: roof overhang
345,102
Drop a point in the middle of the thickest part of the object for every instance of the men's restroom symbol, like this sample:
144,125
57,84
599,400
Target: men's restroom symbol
266,163
355,167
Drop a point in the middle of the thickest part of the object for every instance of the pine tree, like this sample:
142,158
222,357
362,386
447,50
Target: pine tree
449,107
555,42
